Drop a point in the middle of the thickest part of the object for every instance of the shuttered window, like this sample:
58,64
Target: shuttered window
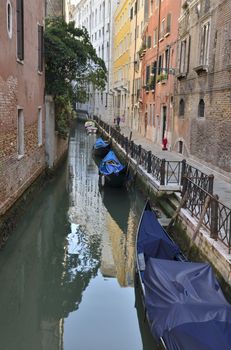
20,30
40,48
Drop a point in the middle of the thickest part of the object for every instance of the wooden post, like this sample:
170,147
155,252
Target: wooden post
139,157
183,171
200,222
181,205
214,217
211,181
132,149
149,169
162,172
126,145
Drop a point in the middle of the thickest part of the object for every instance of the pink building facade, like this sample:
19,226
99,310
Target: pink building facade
22,113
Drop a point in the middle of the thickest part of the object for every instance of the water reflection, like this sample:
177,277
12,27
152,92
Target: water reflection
62,270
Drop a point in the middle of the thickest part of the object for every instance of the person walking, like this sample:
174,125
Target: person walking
118,121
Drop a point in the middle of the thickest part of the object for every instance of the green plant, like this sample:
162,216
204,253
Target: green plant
71,63
162,76
142,49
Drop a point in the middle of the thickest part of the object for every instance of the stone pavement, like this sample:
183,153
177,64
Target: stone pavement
222,182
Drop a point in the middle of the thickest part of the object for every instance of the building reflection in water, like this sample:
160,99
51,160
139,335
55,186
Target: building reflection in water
70,233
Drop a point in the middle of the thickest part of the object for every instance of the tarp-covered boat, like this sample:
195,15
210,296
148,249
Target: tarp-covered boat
101,147
112,170
185,306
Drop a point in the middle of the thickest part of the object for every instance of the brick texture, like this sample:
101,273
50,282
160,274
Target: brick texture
207,139
21,86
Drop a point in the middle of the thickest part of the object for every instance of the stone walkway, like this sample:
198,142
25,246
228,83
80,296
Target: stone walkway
222,182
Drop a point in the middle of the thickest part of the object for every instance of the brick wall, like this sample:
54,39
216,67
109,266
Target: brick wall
21,86
207,139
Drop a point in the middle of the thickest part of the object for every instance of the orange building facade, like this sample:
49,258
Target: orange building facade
158,56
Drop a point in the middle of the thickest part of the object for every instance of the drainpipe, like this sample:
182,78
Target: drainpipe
158,43
134,59
157,66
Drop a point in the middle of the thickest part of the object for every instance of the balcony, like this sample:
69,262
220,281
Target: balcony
202,68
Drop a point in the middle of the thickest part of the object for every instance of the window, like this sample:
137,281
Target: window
40,127
149,42
167,60
160,65
9,18
201,109
184,55
20,133
204,45
20,30
153,79
168,28
131,13
155,38
40,48
147,77
181,108
162,32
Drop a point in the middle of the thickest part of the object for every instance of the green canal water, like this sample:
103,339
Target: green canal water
67,272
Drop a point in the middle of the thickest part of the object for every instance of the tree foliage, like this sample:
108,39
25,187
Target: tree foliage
71,64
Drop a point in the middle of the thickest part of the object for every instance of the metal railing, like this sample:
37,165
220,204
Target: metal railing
198,185
217,218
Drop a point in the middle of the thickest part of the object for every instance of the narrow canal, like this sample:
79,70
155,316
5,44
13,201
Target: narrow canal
67,272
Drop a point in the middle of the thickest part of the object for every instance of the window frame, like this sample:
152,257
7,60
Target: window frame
20,30
20,133
9,21
199,114
204,42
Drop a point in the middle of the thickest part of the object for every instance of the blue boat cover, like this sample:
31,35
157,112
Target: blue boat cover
186,306
100,143
110,164
153,240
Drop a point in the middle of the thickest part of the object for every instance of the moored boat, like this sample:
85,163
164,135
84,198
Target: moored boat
101,148
90,127
112,171
185,306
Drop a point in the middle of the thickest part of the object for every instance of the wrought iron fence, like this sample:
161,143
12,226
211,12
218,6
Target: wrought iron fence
201,179
217,218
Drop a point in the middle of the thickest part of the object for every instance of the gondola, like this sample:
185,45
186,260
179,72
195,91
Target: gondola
185,306
101,148
111,171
